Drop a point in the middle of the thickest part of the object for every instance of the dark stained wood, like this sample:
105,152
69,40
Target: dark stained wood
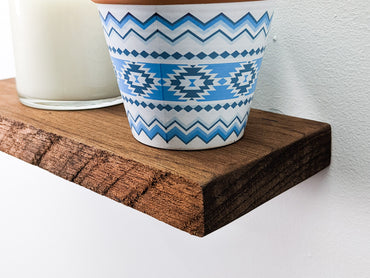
195,191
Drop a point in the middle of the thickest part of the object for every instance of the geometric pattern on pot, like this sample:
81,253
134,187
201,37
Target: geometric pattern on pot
187,82
187,56
187,73
187,25
157,20
187,33
207,32
138,79
187,132
188,108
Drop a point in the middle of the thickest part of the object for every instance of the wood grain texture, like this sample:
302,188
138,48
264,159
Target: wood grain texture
195,191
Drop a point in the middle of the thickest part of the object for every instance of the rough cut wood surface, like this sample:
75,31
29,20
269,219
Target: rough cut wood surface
195,191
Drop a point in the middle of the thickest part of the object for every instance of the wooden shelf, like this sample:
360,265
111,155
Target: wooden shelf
195,191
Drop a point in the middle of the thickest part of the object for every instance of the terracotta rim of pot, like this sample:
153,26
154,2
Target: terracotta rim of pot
167,2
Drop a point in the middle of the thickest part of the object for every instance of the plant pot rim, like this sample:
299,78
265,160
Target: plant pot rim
168,2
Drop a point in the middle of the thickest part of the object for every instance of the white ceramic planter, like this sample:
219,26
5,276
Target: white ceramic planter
61,58
187,73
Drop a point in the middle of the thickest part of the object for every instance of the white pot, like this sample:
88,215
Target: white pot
187,73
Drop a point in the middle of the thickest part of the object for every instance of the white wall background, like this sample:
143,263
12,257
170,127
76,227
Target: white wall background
317,67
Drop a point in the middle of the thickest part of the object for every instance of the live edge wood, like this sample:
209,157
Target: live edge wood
195,191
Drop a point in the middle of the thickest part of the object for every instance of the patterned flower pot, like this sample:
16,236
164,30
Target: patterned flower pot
187,72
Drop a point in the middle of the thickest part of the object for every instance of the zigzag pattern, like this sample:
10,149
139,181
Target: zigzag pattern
187,133
249,19
158,26
201,55
189,33
188,108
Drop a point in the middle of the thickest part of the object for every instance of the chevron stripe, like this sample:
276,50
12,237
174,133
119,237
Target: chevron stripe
184,127
187,133
249,19
190,33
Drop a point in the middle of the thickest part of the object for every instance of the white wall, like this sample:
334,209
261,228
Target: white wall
6,51
318,68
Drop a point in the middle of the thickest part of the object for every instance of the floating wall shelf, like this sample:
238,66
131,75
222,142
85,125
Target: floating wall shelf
195,191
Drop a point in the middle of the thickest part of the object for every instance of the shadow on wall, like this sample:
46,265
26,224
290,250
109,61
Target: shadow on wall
289,79
316,66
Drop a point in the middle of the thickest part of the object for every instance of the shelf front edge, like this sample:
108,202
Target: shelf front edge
177,198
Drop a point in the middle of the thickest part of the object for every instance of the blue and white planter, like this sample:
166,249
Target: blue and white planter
187,73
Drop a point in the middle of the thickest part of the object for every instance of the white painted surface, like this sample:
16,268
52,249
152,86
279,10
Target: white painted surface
317,68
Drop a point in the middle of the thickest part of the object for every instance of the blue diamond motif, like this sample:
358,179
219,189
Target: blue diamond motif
151,106
176,55
235,54
178,108
226,106
119,51
234,105
252,52
165,55
188,108
135,53
143,104
144,54
244,53
160,107
154,54
225,54
208,108
213,55
189,55
201,55
168,107
217,107
198,108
